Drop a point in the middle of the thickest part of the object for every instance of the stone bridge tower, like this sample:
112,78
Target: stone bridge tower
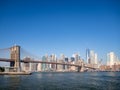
15,55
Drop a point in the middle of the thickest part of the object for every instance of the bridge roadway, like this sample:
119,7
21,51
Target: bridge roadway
36,61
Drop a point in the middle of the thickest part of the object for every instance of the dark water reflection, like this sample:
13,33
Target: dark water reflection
62,81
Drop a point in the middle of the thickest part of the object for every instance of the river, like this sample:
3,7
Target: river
62,81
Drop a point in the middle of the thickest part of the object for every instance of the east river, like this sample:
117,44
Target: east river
62,81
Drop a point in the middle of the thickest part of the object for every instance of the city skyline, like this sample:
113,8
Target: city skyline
91,56
61,26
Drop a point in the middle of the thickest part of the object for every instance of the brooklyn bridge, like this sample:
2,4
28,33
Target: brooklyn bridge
14,55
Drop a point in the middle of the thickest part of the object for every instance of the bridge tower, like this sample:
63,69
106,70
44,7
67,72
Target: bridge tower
15,55
81,67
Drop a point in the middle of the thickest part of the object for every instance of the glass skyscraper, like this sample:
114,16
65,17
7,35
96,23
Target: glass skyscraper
43,64
88,56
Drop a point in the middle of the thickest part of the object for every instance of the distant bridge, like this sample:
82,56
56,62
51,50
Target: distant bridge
39,61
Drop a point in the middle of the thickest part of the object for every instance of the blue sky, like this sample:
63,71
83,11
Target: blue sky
61,26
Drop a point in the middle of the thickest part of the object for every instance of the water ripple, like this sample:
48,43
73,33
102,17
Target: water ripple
62,81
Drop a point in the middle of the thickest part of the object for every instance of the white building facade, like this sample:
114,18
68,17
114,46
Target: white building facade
112,59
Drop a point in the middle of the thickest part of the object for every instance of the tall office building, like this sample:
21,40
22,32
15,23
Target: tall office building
43,64
117,60
96,59
76,56
112,59
47,60
88,55
108,59
62,57
53,58
91,57
72,59
66,59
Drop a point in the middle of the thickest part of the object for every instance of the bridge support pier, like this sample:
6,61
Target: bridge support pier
79,69
15,55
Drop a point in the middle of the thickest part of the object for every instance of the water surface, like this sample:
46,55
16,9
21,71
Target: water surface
62,81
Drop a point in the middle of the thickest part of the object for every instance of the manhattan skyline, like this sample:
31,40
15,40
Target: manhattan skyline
61,26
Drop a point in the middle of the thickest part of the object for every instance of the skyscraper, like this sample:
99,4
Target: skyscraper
43,64
76,56
96,59
72,59
112,59
91,57
62,57
88,55
53,58
66,59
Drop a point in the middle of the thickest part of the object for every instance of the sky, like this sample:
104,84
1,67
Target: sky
61,26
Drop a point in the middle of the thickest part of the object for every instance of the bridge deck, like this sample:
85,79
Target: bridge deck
35,61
